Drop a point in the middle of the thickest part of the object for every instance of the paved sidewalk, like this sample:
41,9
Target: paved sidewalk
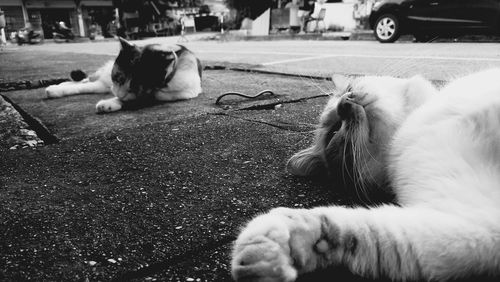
156,193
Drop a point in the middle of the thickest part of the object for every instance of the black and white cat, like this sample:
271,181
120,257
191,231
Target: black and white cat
438,151
140,75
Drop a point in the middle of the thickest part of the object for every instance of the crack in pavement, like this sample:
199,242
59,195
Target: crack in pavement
305,127
283,126
271,106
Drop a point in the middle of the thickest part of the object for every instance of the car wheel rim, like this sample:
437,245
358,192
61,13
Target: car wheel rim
386,28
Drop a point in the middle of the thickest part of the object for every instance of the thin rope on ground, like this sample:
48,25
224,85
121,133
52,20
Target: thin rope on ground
217,102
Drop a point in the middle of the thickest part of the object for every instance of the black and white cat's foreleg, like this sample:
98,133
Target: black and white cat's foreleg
69,88
109,105
392,242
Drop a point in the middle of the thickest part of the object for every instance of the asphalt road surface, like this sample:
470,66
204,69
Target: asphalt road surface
440,61
159,193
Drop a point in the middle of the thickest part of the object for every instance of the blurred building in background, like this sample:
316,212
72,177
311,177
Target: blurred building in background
43,15
165,17
106,18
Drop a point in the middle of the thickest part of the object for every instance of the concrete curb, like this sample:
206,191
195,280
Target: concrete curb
15,131
34,123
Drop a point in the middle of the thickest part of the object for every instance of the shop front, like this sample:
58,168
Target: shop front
13,13
46,15
79,15
98,17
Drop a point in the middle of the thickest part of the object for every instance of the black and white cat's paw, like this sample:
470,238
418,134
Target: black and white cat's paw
277,246
55,91
108,105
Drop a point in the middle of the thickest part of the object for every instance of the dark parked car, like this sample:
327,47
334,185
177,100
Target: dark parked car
425,19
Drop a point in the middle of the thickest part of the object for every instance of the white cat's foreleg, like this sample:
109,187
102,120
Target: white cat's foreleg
109,105
398,243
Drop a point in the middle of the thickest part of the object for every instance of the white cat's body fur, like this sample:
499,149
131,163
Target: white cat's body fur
444,165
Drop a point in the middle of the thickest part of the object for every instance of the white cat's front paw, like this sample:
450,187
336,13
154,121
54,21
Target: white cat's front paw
276,246
108,106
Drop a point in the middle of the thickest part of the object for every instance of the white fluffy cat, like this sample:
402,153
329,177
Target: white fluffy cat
437,151
139,76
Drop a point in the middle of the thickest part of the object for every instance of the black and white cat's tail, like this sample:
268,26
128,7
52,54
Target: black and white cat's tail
78,75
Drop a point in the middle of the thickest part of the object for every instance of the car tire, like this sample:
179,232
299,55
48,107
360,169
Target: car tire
387,28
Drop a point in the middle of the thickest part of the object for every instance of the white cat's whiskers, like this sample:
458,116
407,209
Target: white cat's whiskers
344,163
359,161
310,81
367,171
372,158
358,186
332,88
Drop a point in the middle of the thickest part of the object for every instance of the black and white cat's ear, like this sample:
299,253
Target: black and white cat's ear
125,44
340,83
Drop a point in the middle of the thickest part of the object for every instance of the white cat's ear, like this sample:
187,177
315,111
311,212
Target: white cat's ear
419,90
307,163
125,44
419,84
340,82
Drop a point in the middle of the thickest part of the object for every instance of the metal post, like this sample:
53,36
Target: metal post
117,18
3,40
222,23
81,26
25,12
183,37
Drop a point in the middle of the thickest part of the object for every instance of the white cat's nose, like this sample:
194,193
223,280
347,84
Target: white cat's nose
349,95
344,107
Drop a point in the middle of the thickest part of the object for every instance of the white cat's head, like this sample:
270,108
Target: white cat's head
356,129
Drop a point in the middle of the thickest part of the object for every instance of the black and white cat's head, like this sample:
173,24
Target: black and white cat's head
356,128
140,71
